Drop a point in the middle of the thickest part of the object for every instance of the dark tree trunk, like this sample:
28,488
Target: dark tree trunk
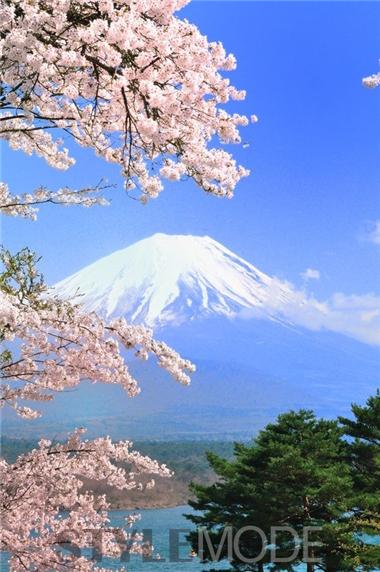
306,511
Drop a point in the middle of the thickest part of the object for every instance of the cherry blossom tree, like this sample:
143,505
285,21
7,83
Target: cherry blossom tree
145,90
59,345
50,345
126,78
48,520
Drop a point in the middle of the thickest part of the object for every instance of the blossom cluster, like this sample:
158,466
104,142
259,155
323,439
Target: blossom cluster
54,345
26,205
45,509
50,345
128,79
372,81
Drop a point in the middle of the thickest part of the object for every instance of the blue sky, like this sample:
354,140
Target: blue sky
314,189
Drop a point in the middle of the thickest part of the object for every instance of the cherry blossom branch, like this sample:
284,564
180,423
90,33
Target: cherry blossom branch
44,506
92,351
372,81
51,345
139,86
26,205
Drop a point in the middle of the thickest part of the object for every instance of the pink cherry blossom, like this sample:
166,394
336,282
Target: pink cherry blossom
50,345
26,205
59,345
128,79
44,507
372,81
144,90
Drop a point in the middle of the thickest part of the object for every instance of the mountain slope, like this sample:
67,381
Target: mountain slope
249,369
165,280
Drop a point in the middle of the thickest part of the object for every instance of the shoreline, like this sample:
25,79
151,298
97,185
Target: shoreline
152,506
184,506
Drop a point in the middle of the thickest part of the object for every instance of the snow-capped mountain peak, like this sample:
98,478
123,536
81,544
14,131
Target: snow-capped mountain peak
167,279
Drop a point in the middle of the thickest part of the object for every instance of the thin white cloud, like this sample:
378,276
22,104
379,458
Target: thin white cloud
356,316
373,235
311,274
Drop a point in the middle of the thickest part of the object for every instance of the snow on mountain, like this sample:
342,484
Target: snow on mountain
248,370
168,279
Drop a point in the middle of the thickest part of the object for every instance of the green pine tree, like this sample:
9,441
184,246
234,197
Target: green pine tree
296,473
363,432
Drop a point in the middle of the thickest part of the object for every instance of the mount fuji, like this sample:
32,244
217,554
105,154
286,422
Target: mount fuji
250,335
171,280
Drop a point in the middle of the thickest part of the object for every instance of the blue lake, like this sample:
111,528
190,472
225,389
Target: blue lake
162,523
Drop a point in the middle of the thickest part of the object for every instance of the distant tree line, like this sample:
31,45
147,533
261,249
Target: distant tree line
183,457
300,471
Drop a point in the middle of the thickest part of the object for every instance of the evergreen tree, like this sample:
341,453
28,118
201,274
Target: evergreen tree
296,473
363,432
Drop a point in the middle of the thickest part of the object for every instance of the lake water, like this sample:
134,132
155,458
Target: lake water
160,522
